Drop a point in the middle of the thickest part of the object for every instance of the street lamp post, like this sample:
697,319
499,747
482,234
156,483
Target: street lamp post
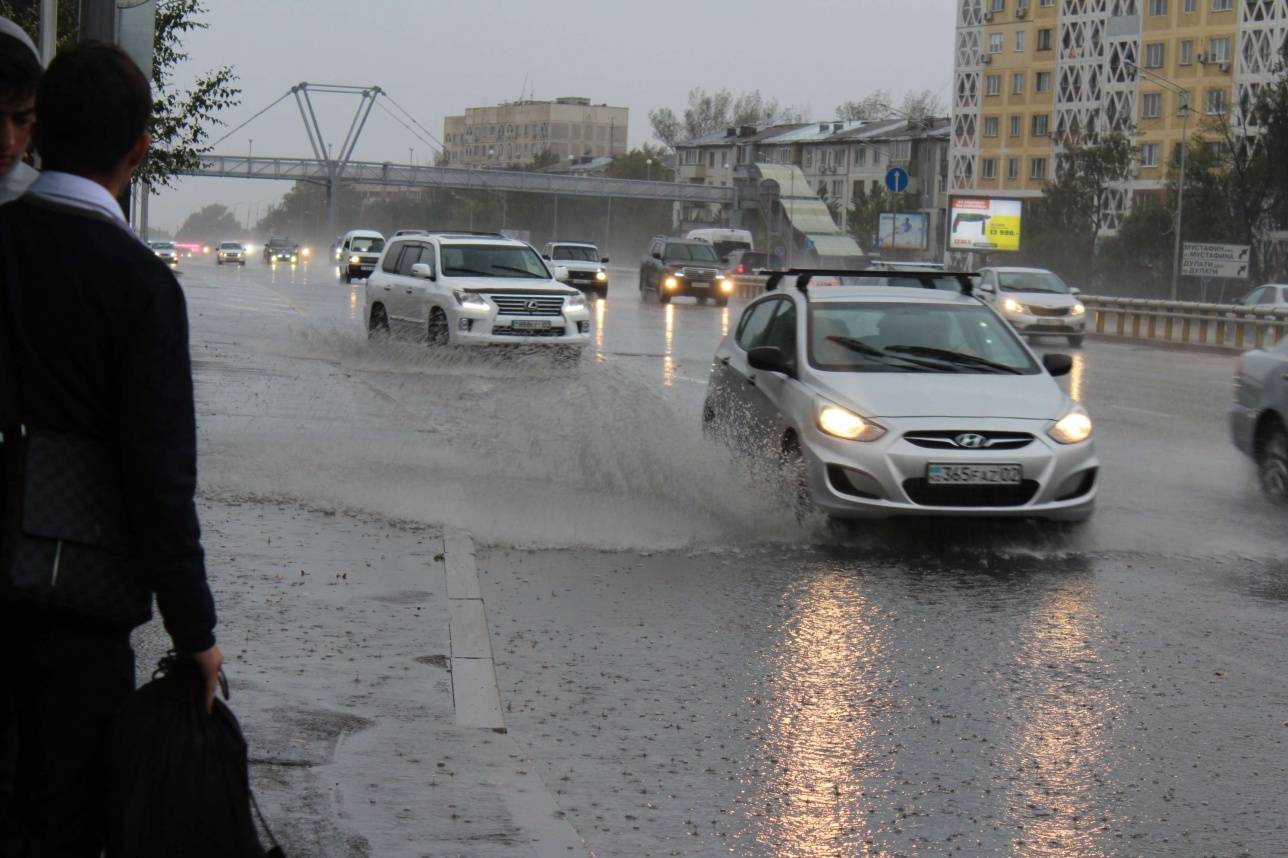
648,168
1183,104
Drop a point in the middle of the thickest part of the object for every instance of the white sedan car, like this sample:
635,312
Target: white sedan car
903,401
1035,301
472,289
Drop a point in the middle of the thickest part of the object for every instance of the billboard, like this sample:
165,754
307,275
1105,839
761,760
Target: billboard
983,223
904,231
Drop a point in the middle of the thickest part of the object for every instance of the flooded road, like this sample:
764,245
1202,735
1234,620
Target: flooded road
696,674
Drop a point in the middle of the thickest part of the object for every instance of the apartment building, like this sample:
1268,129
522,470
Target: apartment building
517,132
1031,75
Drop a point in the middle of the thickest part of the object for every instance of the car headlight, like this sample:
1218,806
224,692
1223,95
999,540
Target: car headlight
354,260
294,258
306,252
1072,428
726,285
1079,310
1010,305
601,276
842,423
671,283
471,300
575,302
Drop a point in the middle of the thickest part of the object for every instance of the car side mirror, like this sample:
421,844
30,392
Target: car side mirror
1057,364
1075,291
769,359
987,287
657,256
603,260
422,269
561,273
546,257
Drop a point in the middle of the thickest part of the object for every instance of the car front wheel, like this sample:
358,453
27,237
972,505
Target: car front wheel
1272,464
378,324
439,332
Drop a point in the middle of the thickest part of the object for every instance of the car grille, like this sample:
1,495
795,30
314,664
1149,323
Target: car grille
528,305
544,332
947,440
1049,311
581,275
923,493
701,273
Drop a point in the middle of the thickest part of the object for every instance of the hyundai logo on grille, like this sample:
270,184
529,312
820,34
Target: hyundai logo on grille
971,441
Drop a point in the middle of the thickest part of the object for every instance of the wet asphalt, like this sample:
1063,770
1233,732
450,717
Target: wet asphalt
698,675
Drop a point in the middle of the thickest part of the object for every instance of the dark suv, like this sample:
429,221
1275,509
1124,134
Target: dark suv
677,266
281,249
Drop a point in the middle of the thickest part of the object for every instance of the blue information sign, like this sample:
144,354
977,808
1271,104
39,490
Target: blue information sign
897,180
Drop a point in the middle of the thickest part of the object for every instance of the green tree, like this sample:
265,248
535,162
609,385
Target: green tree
916,105
1138,260
210,223
864,217
715,111
635,165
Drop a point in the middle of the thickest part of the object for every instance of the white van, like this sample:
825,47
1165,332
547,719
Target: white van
725,241
358,252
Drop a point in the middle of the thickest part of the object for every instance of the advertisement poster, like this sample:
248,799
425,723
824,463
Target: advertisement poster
904,231
985,224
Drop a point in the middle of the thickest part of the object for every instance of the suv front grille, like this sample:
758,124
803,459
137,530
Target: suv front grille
1050,311
948,440
922,492
528,305
701,273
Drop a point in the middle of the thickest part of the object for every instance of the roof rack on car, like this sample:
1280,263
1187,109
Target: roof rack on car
470,232
926,279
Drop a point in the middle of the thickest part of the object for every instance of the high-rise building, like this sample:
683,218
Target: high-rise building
1031,75
519,132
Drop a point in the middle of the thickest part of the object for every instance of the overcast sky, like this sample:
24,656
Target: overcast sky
436,58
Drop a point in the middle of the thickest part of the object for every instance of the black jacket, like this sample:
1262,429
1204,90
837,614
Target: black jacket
102,338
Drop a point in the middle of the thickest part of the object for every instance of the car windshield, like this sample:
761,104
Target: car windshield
486,260
363,244
691,252
163,245
576,254
913,337
1031,281
724,248
230,245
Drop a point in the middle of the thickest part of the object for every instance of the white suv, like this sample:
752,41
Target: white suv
472,289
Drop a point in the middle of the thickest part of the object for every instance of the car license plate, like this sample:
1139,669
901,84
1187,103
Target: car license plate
530,324
700,284
974,475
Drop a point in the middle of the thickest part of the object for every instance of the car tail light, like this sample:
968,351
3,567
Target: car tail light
740,269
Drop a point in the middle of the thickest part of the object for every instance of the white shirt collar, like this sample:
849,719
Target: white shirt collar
77,191
15,183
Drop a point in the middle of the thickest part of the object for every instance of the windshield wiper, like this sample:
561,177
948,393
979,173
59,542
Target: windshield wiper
959,358
881,355
525,272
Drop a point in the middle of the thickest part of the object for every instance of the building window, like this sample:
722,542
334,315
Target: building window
1187,52
994,84
1149,155
1017,126
1222,5
1158,7
711,159
1151,105
999,5
1191,5
1046,2
1042,82
1154,55
1013,168
1017,83
724,158
1044,40
1219,50
838,188
990,168
996,43
1217,100
1037,168
990,126
861,156
1040,122
1019,41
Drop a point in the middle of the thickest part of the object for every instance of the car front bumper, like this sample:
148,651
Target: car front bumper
571,329
1243,428
1028,323
361,269
699,288
887,478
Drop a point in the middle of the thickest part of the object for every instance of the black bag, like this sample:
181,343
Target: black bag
180,783
63,531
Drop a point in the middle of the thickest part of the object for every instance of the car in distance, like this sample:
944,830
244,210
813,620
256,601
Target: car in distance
1259,416
359,252
281,249
473,289
725,241
232,252
1035,301
585,265
166,251
1271,296
885,401
679,266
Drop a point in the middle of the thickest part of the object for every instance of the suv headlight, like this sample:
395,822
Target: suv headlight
471,300
601,276
354,260
1072,428
575,302
842,423
1079,309
1010,305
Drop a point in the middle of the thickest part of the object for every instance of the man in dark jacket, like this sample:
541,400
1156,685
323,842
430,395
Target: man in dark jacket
97,327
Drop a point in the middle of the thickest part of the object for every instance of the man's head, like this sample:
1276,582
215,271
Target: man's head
19,76
93,108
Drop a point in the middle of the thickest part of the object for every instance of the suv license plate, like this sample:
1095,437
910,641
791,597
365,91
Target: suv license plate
530,324
974,475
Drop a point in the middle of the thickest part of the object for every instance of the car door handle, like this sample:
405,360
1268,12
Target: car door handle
724,360
751,379
388,288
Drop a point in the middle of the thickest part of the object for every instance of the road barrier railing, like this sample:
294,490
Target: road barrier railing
1223,325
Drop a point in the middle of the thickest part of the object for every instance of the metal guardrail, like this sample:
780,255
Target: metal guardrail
1222,325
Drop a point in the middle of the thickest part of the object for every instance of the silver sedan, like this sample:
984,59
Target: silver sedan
1259,416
